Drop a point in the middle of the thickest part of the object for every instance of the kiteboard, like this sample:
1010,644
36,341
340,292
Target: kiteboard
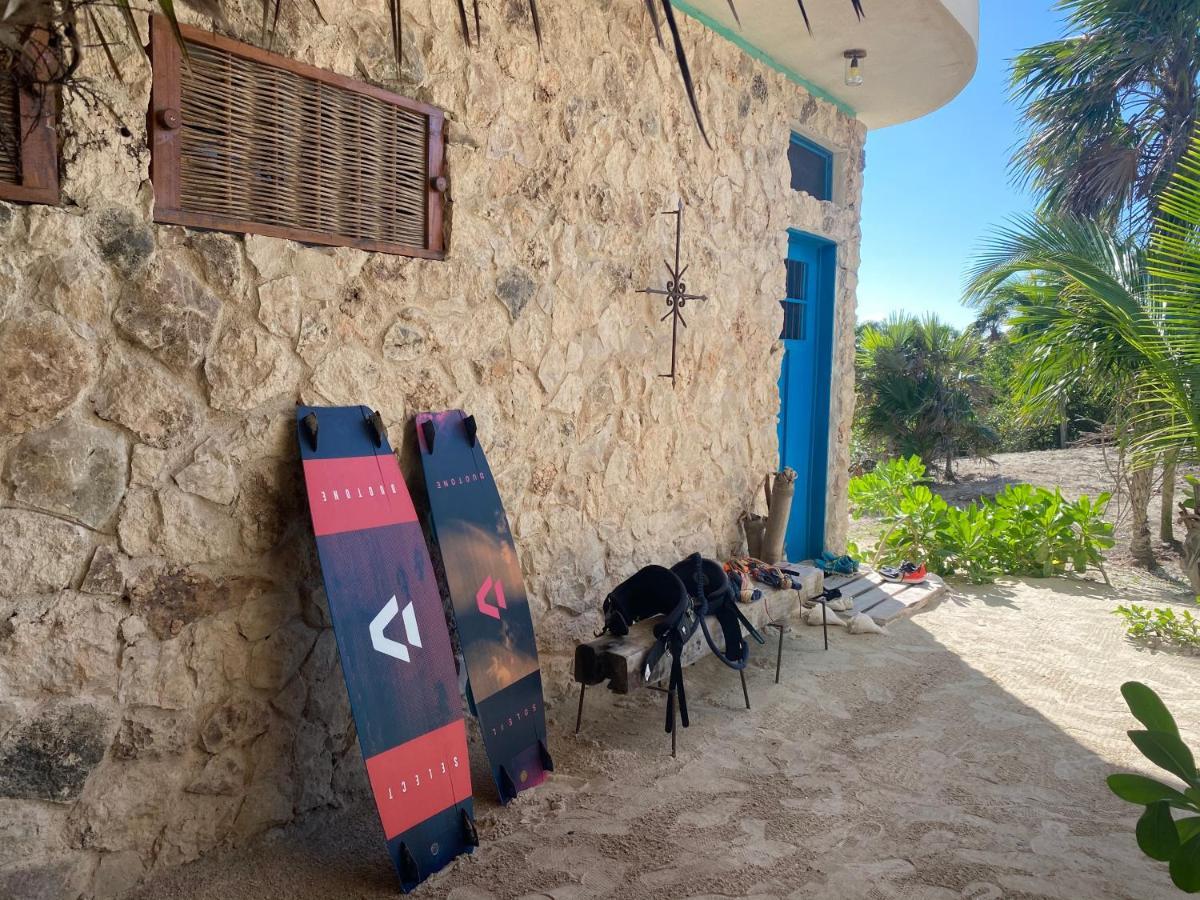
392,637
491,608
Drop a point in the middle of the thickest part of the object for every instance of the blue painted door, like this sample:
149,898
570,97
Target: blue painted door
804,381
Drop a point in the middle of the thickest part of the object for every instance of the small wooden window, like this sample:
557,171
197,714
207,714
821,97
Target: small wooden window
249,141
28,144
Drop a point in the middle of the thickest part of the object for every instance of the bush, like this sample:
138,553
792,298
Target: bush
1161,625
1026,530
873,493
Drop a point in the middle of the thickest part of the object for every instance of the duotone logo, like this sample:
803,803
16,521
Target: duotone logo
481,601
412,635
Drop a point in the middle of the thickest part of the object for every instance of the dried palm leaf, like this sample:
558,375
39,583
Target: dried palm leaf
394,11
537,25
654,18
681,57
102,39
733,9
462,20
804,13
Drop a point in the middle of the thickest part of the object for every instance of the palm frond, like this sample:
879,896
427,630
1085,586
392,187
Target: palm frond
650,8
537,25
462,22
684,71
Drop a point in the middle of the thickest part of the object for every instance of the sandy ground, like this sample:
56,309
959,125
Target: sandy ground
960,756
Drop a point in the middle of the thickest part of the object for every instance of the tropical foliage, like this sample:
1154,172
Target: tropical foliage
920,389
1026,530
1090,308
1169,827
1110,107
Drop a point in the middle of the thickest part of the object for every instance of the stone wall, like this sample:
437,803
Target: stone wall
168,679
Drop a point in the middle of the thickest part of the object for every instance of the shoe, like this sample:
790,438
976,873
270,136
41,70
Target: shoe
836,565
905,573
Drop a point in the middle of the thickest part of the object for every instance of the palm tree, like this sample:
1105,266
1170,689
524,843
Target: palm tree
1109,109
920,389
1094,307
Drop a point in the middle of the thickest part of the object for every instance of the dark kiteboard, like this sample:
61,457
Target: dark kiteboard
391,633
491,609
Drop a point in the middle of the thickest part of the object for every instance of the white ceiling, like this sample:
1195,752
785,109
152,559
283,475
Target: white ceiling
920,53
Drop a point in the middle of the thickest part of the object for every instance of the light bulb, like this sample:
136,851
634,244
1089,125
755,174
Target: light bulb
854,66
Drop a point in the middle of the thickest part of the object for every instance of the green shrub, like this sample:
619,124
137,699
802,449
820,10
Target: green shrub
1162,624
1161,836
874,493
1026,530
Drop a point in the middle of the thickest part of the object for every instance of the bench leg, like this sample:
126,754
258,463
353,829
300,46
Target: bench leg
779,654
579,713
745,692
824,626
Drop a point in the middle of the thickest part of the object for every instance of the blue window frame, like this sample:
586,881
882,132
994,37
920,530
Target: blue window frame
812,168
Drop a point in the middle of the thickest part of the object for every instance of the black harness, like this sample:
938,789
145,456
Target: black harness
707,582
683,596
649,592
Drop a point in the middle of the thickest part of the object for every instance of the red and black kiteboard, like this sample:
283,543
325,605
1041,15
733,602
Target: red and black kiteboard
491,609
391,633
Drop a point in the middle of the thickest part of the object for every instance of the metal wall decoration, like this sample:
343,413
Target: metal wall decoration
675,291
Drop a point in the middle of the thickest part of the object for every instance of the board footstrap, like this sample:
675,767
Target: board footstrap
410,872
428,432
472,429
508,787
311,425
470,832
380,433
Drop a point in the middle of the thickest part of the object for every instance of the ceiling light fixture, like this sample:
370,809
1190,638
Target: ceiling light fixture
854,69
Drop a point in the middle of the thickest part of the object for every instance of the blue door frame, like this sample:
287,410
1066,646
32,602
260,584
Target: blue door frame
804,385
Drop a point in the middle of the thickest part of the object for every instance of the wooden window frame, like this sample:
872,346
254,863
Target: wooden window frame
164,125
38,148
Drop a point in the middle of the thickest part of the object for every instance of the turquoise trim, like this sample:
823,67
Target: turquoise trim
754,52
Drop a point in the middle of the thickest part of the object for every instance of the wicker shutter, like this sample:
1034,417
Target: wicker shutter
249,141
28,145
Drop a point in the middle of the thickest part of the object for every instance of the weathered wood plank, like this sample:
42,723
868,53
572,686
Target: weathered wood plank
619,661
906,599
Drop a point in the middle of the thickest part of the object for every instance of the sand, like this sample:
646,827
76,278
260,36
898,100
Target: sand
962,755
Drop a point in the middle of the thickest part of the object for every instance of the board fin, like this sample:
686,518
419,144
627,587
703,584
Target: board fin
380,433
470,832
547,759
410,872
508,787
472,429
428,432
311,424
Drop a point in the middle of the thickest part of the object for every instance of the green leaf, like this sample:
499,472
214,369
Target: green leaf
1143,791
1185,866
1147,707
1194,796
1187,828
1156,833
1166,751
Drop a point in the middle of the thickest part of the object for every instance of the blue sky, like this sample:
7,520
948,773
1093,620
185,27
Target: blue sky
934,188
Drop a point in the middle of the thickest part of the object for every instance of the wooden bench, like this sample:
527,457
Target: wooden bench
619,660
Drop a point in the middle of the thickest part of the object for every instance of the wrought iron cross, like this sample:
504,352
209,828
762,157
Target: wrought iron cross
676,291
